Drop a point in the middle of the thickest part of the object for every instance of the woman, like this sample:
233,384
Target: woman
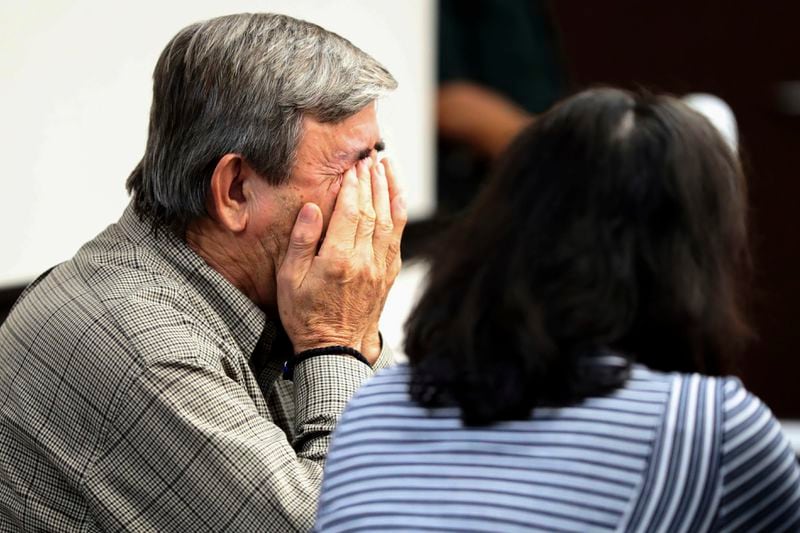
561,360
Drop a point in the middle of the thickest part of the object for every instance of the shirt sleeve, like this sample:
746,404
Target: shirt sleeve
760,475
385,358
317,410
189,451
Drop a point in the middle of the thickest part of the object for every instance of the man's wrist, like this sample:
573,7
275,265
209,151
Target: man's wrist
313,342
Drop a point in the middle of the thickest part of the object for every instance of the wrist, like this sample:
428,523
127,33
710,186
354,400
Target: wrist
371,346
320,343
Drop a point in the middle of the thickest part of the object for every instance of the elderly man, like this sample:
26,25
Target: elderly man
184,371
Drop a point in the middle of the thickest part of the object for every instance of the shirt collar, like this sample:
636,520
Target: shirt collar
227,307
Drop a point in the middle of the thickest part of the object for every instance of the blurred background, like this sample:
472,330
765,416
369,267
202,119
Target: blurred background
510,60
75,94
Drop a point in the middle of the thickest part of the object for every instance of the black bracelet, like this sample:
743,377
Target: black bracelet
288,366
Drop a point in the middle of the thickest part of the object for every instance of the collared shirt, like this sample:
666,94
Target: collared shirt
141,391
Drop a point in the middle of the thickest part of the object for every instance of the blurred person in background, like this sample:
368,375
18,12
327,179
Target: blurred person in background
499,64
184,371
567,358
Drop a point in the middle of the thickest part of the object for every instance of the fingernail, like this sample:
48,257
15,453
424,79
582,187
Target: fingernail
381,170
308,214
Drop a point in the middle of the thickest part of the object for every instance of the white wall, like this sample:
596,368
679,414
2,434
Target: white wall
75,89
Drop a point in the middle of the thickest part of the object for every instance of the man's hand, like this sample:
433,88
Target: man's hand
335,296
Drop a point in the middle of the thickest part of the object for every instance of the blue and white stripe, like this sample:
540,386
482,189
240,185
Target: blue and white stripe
667,452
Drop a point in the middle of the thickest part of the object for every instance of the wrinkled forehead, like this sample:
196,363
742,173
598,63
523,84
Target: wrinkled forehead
348,140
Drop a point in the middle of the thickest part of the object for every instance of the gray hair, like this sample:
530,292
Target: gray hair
242,84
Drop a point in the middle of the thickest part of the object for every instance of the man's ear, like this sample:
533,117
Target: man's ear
227,203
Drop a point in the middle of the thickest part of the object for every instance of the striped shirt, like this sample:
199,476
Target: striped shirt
666,452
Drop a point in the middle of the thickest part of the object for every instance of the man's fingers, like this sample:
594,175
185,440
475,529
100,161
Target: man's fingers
398,209
366,222
383,210
303,243
391,179
344,219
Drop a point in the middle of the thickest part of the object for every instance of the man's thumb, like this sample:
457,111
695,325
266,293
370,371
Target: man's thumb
304,240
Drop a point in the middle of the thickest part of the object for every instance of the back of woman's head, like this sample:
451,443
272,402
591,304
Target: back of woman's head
615,222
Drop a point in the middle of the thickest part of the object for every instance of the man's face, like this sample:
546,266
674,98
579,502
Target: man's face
325,152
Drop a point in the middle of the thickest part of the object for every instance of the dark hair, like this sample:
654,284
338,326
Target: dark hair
615,222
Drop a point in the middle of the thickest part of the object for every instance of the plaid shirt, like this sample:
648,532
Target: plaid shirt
140,390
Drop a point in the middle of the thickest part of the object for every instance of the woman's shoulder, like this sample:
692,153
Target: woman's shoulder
393,378
644,377
387,386
396,371
741,462
744,429
720,404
